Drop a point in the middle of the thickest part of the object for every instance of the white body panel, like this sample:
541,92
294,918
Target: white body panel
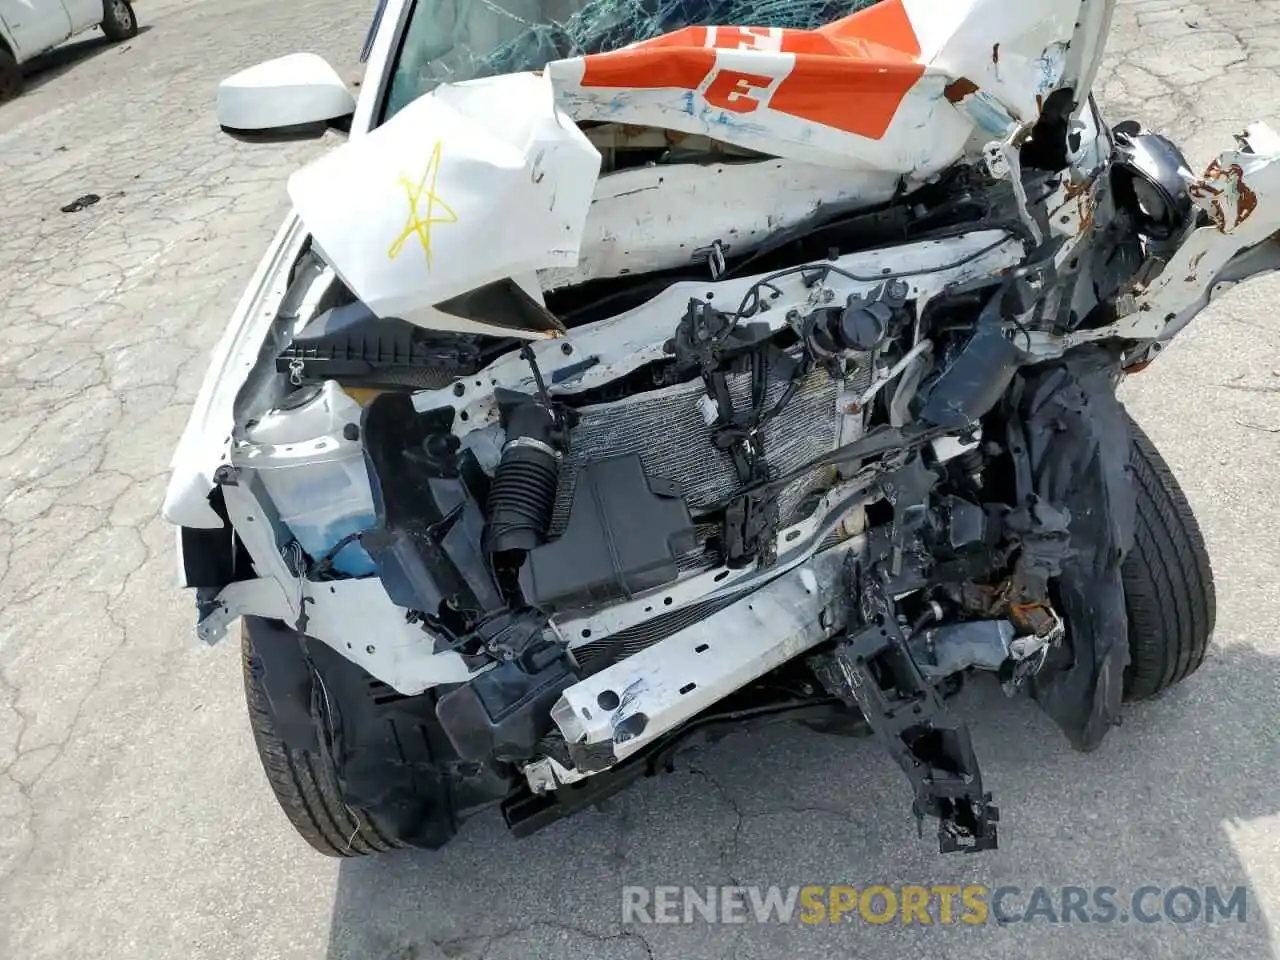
299,88
31,27
83,13
34,26
490,165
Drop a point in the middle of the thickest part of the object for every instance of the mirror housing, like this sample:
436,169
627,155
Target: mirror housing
296,97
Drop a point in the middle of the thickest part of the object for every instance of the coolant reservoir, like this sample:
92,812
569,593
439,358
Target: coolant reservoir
309,456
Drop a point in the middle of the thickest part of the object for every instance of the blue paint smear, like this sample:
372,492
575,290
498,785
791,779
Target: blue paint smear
987,115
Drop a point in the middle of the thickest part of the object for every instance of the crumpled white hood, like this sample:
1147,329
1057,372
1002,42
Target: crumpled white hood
490,179
470,184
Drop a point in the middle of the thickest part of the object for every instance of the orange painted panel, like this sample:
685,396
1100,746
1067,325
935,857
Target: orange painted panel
851,74
679,60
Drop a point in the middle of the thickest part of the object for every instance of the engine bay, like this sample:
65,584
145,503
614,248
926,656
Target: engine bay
558,511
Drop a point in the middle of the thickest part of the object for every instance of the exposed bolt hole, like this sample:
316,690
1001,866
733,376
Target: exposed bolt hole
792,535
687,687
667,601
370,649
702,648
721,575
607,700
585,634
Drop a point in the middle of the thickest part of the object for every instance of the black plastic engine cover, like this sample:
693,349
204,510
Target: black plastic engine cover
625,531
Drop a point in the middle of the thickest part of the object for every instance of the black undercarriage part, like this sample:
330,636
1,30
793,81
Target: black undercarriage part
354,346
526,813
873,670
626,529
523,493
1072,457
505,712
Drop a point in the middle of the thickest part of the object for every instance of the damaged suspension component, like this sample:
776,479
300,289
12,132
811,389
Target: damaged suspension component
872,670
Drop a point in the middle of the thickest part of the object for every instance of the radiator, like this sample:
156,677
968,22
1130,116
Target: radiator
667,429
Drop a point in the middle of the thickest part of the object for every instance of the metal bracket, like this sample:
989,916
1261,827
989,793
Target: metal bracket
613,714
259,596
713,256
1003,163
873,670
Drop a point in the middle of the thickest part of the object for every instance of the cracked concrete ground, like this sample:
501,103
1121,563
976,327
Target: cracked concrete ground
134,818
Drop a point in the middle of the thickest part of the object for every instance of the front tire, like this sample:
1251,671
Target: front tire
118,20
1168,580
302,780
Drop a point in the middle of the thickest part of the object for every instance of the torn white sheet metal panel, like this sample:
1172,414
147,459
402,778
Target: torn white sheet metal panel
640,217
472,183
631,703
1240,191
900,86
606,349
355,616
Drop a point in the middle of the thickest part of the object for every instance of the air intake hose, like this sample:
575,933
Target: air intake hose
523,493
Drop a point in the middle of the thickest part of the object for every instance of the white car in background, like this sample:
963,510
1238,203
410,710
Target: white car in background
29,28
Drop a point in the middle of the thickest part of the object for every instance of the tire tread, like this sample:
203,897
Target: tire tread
304,784
1168,579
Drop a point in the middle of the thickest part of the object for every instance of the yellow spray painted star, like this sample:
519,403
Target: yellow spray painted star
437,211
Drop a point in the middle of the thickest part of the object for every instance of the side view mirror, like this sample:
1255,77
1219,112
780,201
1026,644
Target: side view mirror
296,97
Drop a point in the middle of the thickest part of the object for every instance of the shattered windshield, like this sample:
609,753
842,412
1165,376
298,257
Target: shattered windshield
455,40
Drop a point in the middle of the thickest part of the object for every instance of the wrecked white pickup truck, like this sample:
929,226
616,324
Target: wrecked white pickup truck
639,371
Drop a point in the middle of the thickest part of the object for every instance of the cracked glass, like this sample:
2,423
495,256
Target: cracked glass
454,40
